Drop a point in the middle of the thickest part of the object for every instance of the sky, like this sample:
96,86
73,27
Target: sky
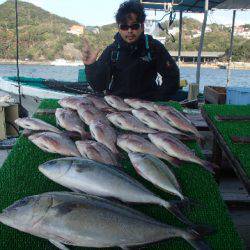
101,12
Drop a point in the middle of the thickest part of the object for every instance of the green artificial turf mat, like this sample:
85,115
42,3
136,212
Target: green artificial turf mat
19,177
229,128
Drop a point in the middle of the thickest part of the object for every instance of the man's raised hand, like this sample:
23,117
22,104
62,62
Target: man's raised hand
88,55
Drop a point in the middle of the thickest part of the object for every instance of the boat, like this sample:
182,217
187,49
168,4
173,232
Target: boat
63,62
42,88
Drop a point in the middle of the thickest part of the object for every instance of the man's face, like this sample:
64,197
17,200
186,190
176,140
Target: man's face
131,30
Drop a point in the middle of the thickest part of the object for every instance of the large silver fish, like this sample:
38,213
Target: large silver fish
127,121
154,121
36,124
117,103
138,144
157,172
88,176
175,148
89,114
104,134
70,120
55,143
99,102
178,120
88,221
73,101
137,104
96,151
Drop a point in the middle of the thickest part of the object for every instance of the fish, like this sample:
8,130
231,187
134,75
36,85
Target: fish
54,143
117,103
178,120
104,134
154,121
90,114
36,124
136,143
73,101
127,121
66,218
91,177
70,120
99,102
96,151
138,103
175,148
157,172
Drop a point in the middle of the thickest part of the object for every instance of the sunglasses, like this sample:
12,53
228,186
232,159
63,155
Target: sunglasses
134,26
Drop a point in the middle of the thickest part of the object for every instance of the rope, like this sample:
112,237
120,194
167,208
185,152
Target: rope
17,55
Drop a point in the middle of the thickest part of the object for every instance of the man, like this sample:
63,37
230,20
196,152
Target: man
134,62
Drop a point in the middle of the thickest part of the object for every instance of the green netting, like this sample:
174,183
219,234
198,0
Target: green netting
229,128
29,81
41,83
19,177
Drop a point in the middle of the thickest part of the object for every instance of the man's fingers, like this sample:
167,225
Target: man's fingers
85,42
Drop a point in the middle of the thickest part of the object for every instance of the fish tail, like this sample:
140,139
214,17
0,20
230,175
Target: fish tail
86,135
191,202
194,237
211,167
175,207
200,139
196,241
173,161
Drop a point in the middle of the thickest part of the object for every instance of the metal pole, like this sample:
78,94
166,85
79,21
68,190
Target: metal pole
180,38
17,55
230,49
198,71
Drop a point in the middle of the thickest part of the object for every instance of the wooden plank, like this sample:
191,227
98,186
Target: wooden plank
232,117
11,114
222,144
240,139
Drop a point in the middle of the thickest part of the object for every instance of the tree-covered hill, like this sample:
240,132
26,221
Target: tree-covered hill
43,36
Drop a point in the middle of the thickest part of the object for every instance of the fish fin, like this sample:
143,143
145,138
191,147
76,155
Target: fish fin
58,244
175,207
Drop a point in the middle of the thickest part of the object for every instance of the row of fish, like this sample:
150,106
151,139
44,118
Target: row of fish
162,145
77,219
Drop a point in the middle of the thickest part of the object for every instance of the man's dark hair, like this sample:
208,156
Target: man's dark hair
128,7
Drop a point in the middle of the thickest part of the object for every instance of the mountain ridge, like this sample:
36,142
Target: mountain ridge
43,35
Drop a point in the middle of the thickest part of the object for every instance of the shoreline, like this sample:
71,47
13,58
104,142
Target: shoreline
219,65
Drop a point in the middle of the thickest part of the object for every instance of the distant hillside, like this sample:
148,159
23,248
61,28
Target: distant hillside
43,36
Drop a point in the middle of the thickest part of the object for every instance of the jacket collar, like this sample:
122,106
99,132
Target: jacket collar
133,46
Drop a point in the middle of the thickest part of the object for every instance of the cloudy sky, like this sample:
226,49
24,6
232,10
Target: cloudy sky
100,12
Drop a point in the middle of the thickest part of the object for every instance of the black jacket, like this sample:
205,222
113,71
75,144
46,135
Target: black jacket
125,70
